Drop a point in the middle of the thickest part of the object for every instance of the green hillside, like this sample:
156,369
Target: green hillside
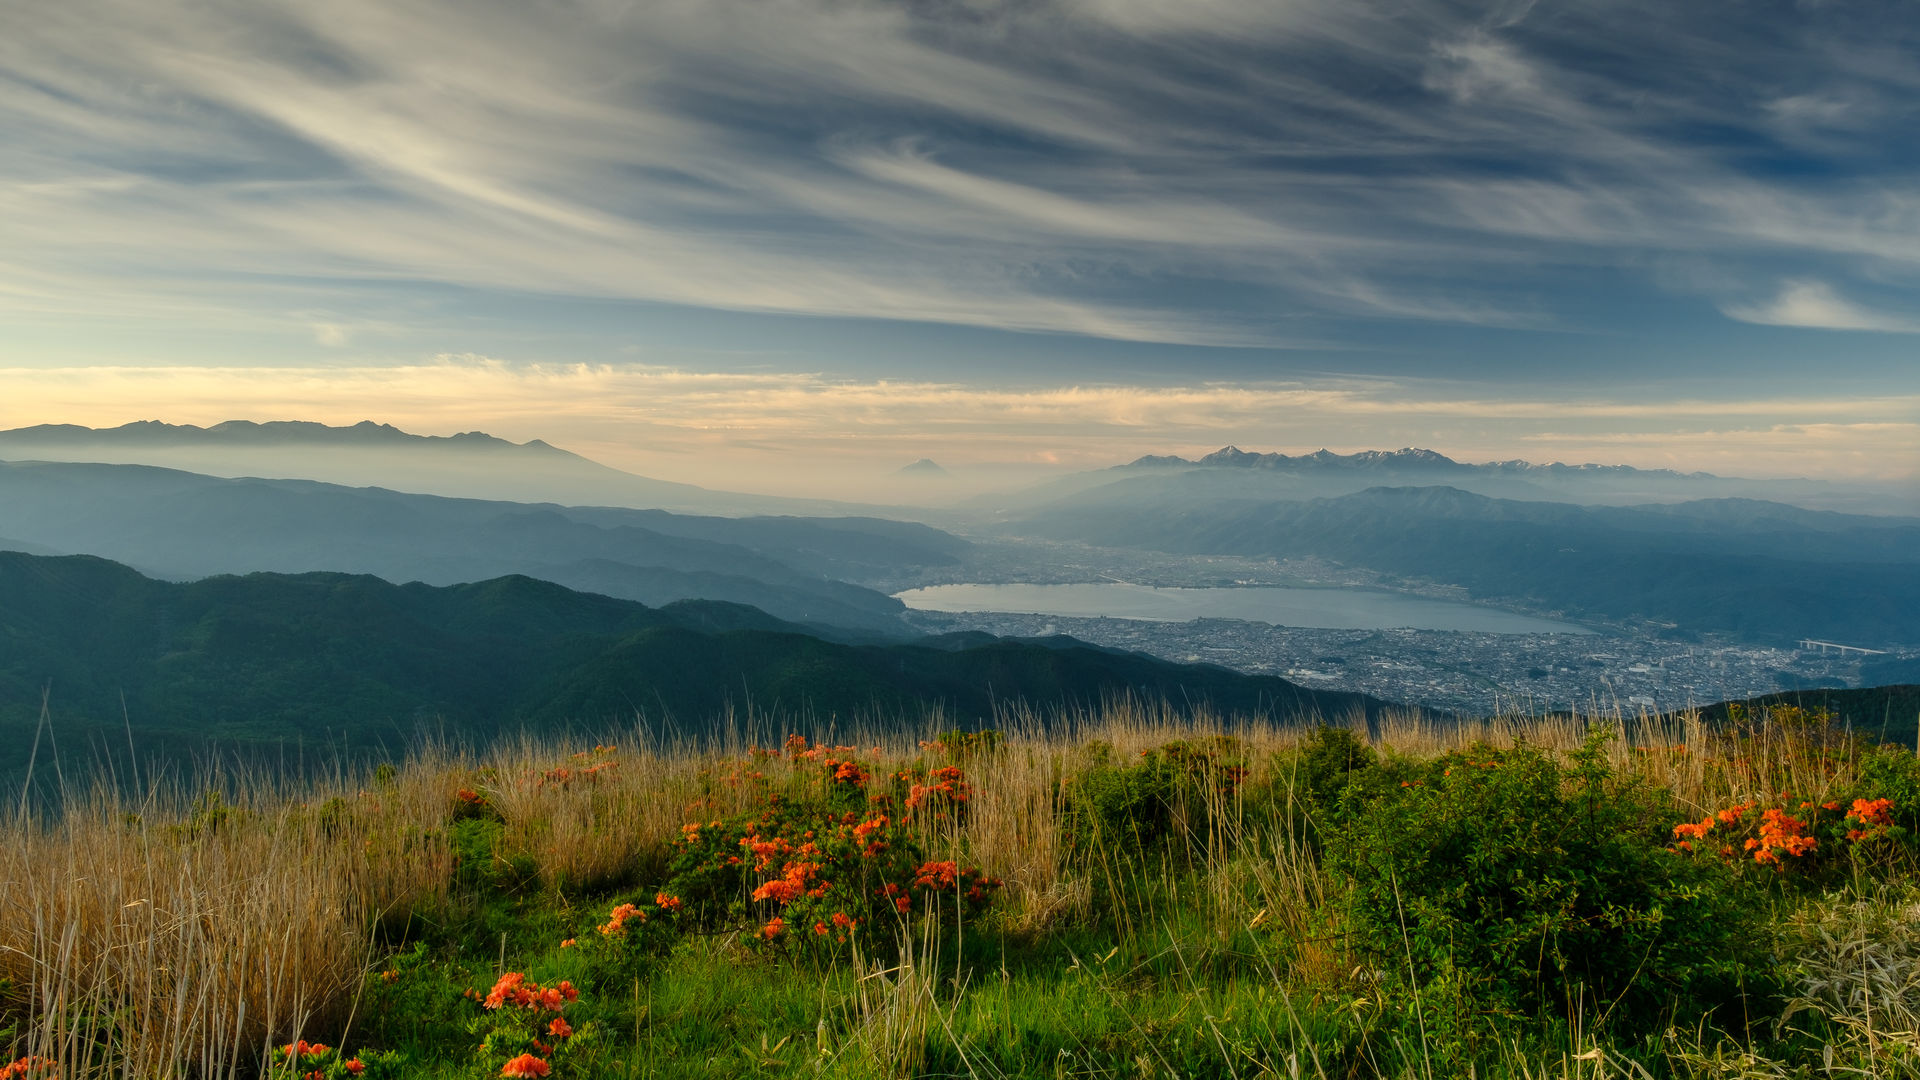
334,659
1886,713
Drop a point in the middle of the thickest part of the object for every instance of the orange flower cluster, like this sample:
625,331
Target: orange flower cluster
1875,816
515,990
667,902
26,1066
947,877
526,1065
1779,832
565,777
937,875
863,832
811,858
303,1048
795,881
1687,832
617,920
354,1066
836,761
470,797
947,781
764,852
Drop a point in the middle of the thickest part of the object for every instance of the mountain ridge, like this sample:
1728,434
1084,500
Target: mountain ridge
262,657
1406,457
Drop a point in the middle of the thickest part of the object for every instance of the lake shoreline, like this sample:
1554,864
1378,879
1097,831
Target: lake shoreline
1329,608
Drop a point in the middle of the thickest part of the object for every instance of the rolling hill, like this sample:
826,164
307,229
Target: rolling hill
185,525
353,661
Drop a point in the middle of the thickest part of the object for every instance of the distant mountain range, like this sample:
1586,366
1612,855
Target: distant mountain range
336,661
472,464
185,525
1408,460
1232,473
249,433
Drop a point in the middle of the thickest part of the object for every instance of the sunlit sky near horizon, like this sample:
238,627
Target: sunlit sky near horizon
761,243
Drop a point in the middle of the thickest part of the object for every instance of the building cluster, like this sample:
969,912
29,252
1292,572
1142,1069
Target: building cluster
1473,673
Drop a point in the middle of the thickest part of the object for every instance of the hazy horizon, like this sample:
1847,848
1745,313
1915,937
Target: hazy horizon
885,485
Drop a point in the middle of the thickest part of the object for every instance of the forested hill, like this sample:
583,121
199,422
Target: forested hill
272,658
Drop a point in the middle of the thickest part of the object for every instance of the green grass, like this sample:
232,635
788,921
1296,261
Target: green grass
1279,903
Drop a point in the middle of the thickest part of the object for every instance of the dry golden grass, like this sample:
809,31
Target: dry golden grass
159,938
154,937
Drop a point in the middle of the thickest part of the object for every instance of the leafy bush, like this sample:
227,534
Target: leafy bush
1893,773
1504,879
1150,803
1330,762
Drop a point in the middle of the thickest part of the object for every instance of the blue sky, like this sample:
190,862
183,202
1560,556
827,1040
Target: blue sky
705,238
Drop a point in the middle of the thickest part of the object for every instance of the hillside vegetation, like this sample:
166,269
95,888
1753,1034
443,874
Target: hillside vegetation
183,525
272,662
1132,894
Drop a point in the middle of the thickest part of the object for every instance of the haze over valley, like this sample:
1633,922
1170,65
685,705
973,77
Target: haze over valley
1403,575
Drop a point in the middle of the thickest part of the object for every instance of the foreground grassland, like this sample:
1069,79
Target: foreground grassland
1135,894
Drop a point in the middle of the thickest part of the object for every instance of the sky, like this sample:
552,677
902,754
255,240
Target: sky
787,244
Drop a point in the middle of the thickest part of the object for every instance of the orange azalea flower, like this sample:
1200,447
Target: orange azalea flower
937,875
1692,830
526,1065
508,988
666,902
568,944
354,1066
559,1028
1876,812
617,920
773,928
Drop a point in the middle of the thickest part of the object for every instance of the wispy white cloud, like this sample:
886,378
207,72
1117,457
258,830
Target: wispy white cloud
1202,172
1814,305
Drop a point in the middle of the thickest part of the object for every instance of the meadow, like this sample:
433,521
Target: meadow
1131,892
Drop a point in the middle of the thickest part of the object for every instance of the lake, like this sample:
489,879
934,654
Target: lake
1332,609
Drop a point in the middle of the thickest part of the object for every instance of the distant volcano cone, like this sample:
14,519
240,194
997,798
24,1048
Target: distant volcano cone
924,467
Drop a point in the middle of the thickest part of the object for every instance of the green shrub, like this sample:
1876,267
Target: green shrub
1152,804
1502,879
1331,764
1893,772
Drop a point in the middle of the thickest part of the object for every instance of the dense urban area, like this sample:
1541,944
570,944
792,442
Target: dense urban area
1463,672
